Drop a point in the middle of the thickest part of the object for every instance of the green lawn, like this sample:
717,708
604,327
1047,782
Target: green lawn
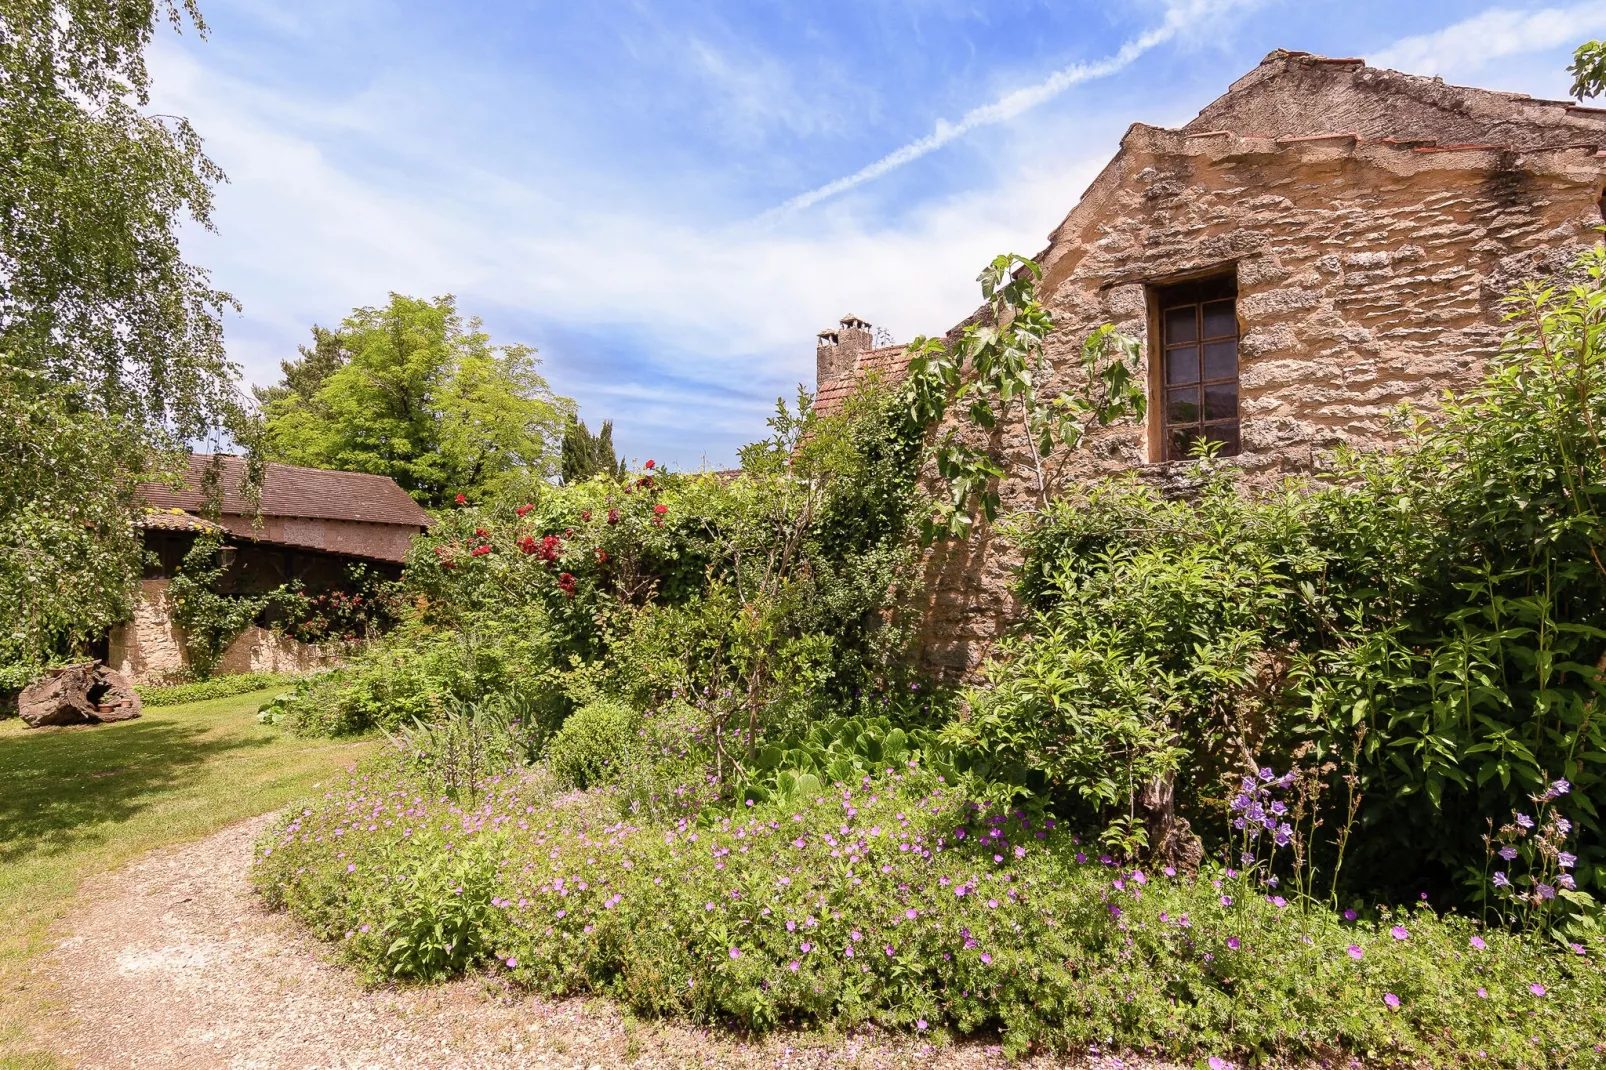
78,801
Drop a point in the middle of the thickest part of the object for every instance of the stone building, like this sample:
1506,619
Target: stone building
310,527
1325,241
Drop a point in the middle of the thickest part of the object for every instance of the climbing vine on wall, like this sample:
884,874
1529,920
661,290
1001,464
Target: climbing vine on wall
209,619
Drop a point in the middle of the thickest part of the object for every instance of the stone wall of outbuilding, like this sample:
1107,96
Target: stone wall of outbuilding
1370,272
149,649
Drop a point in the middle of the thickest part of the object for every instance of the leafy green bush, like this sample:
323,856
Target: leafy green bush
773,596
896,900
594,744
1423,629
214,687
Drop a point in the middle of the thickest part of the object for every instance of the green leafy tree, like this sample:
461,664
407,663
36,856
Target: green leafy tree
1588,69
411,391
110,342
994,375
586,455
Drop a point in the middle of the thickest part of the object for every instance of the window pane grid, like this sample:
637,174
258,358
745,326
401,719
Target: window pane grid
1200,373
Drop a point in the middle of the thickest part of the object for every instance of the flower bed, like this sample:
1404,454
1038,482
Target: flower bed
900,902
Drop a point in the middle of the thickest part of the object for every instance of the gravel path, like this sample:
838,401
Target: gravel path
171,963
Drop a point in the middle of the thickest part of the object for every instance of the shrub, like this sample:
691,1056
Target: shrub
214,687
898,901
594,744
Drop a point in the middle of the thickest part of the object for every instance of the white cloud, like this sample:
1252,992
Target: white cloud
726,312
1180,15
1496,34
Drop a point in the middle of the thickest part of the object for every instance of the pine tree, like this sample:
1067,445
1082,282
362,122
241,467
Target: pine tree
586,455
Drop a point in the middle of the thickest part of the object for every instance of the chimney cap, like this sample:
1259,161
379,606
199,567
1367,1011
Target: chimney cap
851,322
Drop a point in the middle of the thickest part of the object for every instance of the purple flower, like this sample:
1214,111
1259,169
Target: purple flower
805,947
1537,989
1216,1063
1507,852
1392,1000
921,1025
736,953
1560,787
1278,901
1546,891
1500,879
1267,774
986,959
1483,993
512,962
911,913
1524,821
1234,943
1478,944
1226,900
1566,861
1400,932
1355,952
793,965
1350,915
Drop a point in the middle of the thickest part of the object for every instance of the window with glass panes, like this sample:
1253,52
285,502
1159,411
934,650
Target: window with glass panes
1199,337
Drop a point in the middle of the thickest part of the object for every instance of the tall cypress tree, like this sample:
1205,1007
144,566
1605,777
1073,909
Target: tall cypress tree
586,455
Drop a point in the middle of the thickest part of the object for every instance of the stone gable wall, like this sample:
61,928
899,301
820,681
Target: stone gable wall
1370,273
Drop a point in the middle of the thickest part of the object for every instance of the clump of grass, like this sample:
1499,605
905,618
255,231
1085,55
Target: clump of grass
897,900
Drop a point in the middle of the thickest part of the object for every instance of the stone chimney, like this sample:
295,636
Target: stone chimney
837,352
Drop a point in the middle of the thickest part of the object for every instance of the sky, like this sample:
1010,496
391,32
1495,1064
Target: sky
669,200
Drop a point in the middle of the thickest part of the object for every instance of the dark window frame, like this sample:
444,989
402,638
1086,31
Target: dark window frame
1186,365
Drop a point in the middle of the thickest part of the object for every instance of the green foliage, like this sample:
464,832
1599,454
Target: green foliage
215,687
994,374
470,747
1436,611
69,555
209,619
367,606
1588,69
901,904
766,600
586,455
594,744
412,392
111,344
94,291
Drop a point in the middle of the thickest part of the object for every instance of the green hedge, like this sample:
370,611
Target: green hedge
217,687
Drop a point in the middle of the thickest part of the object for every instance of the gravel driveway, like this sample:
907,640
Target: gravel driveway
171,963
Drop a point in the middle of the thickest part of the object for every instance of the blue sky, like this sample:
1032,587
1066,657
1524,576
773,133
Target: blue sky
669,199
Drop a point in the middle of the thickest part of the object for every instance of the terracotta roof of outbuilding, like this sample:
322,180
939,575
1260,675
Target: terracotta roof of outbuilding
175,520
292,491
889,362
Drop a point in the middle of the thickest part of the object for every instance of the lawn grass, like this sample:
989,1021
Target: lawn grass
78,801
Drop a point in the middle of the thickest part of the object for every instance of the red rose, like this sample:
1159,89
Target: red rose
566,584
613,516
482,533
462,499
586,515
602,556
660,509
650,463
523,509
527,544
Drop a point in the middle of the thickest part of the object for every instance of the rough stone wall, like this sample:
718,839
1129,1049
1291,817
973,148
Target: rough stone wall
150,648
1370,273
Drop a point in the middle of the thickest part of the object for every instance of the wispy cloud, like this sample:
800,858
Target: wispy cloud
1180,14
1498,33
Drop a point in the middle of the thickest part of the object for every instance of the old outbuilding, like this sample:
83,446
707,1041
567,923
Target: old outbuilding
310,527
1323,242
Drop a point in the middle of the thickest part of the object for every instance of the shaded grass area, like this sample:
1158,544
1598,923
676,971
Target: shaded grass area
78,801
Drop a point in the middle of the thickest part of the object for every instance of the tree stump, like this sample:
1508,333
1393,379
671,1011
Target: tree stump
88,693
